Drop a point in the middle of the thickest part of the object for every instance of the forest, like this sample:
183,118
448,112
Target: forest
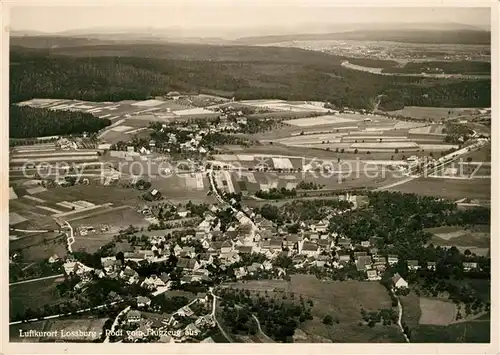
27,122
459,67
136,72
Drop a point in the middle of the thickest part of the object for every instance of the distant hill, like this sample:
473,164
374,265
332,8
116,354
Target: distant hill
402,35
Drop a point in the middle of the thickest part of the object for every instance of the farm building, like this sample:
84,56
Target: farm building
398,281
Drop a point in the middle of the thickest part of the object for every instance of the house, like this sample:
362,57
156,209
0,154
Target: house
133,316
129,275
359,253
54,258
431,265
252,269
372,275
229,258
190,251
325,244
374,251
177,249
398,281
205,321
320,227
379,266
215,247
344,243
205,259
152,282
226,247
365,243
185,311
188,264
470,266
363,262
413,265
310,249
143,301
267,265
244,249
275,245
240,272
392,259
344,258
76,267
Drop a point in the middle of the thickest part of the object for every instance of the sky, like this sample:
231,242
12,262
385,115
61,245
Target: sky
218,17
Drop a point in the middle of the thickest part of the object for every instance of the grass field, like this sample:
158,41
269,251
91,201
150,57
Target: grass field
91,243
435,113
436,311
474,331
342,300
448,188
411,309
122,216
478,237
32,295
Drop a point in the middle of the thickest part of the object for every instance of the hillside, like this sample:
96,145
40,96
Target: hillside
138,71
408,36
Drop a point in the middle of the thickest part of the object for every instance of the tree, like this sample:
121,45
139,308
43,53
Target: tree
328,320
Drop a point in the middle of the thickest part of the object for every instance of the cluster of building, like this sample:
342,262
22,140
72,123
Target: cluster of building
191,321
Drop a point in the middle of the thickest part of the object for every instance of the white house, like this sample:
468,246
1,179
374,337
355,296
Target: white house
398,281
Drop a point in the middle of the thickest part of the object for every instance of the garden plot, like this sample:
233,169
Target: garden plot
121,128
52,210
36,190
15,218
148,103
437,312
12,194
321,120
282,163
33,198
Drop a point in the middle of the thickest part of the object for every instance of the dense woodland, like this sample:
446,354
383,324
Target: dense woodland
461,67
113,73
26,122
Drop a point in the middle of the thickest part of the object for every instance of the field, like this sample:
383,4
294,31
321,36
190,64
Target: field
342,300
182,188
448,188
38,211
121,216
411,309
40,246
437,312
33,295
479,237
474,331
434,113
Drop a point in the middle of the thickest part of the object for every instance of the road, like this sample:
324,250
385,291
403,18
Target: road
115,323
269,340
428,170
38,279
71,237
214,305
400,316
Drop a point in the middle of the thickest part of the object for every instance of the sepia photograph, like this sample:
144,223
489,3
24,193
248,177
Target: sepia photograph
270,173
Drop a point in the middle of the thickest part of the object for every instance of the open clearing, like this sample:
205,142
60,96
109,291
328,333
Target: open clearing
474,331
32,295
342,300
432,112
437,312
448,188
321,120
